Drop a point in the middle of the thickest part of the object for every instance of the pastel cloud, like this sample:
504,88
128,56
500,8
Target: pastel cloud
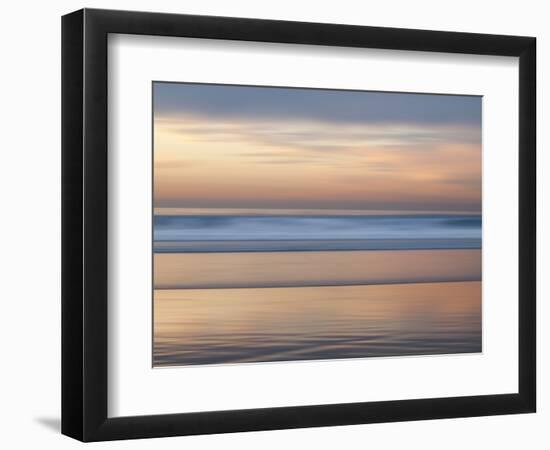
229,158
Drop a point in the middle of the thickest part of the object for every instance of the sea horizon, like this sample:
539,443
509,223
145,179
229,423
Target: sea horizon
189,211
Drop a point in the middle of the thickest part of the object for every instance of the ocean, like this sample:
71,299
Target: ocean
240,287
233,233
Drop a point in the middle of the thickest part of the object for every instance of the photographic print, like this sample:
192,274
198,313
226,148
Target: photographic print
294,224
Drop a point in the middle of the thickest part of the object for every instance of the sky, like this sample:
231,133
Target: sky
223,146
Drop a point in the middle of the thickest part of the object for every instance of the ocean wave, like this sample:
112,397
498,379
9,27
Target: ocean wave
302,228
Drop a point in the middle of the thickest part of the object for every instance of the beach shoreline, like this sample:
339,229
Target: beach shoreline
322,268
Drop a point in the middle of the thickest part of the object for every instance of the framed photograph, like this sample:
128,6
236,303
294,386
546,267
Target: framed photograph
272,224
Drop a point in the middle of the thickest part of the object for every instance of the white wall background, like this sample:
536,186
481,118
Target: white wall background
30,229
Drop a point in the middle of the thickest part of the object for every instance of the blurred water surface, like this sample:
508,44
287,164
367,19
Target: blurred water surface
292,269
214,326
245,286
222,233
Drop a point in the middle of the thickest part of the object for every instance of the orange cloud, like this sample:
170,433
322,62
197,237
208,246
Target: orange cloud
300,164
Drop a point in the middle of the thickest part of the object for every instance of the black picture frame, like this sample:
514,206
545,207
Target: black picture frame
84,224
